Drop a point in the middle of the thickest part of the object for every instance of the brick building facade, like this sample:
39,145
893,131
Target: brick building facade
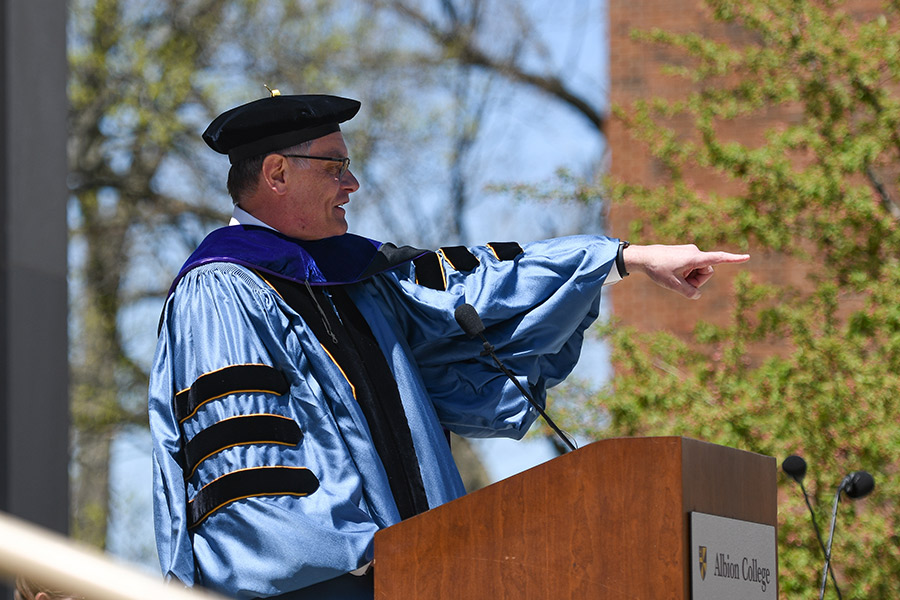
635,73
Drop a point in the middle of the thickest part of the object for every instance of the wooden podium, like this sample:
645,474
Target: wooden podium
610,520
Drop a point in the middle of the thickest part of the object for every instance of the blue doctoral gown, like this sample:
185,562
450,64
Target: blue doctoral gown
224,318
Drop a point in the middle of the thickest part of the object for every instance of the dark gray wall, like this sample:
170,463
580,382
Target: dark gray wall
34,407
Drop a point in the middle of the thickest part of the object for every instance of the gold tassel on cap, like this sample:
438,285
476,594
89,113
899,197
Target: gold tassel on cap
271,91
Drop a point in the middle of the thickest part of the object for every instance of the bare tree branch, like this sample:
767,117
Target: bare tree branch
457,43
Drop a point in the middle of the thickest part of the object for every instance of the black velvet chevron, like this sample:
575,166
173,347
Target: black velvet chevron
230,380
238,431
250,483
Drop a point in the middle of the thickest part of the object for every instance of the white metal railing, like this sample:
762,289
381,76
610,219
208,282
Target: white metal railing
55,561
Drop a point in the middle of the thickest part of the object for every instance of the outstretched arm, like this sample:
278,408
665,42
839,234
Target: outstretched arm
682,269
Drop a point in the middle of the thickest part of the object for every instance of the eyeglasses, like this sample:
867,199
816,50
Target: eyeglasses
345,162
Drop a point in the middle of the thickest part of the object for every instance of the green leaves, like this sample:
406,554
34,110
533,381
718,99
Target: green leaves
788,142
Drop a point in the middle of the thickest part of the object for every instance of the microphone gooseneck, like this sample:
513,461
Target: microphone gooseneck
855,485
471,324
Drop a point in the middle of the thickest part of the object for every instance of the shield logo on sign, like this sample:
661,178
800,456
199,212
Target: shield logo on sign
703,562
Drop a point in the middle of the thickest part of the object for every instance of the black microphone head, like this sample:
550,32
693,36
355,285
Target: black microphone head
859,484
468,319
794,466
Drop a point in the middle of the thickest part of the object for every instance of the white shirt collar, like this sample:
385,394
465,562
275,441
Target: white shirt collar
239,216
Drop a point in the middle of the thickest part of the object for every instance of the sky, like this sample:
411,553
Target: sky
546,137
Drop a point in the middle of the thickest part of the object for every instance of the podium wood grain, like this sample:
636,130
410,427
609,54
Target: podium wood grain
610,520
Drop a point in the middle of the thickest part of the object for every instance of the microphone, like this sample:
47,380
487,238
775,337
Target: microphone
468,320
856,485
471,324
795,467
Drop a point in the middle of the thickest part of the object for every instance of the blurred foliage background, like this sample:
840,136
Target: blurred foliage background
807,368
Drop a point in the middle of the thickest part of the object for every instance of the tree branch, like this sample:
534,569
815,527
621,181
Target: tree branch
457,43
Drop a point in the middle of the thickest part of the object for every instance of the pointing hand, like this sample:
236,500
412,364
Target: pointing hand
682,269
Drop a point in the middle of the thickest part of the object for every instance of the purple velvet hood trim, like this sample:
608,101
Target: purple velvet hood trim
336,260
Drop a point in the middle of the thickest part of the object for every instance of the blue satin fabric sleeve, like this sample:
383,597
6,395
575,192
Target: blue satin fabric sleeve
535,307
221,316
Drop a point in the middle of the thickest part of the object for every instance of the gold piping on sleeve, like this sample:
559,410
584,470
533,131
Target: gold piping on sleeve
223,448
230,500
440,253
229,392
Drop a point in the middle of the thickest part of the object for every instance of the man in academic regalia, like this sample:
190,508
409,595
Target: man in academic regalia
305,378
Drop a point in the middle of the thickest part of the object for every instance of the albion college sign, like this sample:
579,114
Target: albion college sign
731,559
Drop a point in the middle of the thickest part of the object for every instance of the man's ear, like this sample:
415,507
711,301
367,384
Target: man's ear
274,173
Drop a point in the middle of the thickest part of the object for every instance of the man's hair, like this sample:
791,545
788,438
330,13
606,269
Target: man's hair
243,177
28,590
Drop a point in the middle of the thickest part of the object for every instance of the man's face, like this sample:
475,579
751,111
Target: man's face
313,208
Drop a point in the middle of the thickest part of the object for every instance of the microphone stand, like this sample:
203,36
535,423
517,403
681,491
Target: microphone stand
837,499
489,351
471,324
819,537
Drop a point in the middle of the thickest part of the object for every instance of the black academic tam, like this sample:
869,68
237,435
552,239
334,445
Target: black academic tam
277,122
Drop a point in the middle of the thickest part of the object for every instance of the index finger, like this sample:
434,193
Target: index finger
718,258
